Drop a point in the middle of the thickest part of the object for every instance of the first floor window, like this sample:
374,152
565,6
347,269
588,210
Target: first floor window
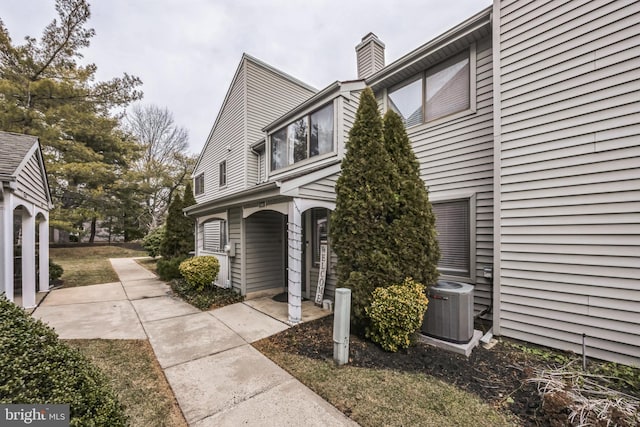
320,231
199,184
223,173
215,235
454,236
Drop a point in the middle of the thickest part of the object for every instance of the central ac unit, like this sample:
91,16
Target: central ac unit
449,315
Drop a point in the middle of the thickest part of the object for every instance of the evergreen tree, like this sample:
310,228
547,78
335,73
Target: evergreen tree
172,246
365,204
412,232
46,92
188,222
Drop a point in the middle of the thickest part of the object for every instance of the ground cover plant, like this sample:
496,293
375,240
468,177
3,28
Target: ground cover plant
497,377
207,299
136,378
39,368
89,265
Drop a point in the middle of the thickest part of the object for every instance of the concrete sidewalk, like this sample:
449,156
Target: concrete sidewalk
218,378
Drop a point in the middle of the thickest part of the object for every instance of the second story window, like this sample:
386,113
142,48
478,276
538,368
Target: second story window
440,91
222,173
309,136
199,184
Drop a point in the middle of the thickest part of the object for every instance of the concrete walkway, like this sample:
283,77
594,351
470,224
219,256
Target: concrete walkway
218,378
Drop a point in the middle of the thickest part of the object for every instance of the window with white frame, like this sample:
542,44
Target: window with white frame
319,221
214,235
309,136
440,91
222,173
454,236
198,185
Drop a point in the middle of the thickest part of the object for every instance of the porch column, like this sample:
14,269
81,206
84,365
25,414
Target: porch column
44,254
6,248
28,260
294,234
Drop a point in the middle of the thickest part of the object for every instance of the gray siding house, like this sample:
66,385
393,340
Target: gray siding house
25,202
525,121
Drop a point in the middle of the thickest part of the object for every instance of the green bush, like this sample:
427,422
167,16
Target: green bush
396,312
207,299
169,269
39,368
55,271
153,240
200,271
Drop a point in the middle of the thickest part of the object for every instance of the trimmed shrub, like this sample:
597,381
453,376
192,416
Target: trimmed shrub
169,269
55,271
396,313
39,368
152,241
200,271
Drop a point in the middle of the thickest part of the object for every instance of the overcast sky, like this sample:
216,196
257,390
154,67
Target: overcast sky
186,51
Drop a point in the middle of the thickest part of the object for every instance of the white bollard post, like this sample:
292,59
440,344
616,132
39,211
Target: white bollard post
341,325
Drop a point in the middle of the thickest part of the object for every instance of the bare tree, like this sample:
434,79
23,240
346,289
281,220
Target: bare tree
164,162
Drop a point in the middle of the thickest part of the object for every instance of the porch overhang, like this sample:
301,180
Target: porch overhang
266,190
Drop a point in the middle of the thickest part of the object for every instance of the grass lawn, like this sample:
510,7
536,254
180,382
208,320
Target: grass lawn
137,378
376,397
150,264
89,265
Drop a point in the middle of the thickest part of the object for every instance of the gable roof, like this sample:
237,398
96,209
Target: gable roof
247,58
14,149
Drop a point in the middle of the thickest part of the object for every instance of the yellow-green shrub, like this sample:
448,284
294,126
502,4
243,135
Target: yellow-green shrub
396,312
200,271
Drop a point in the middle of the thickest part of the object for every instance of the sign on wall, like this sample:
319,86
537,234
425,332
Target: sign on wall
322,274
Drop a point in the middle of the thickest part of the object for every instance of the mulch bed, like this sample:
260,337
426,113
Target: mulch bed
497,376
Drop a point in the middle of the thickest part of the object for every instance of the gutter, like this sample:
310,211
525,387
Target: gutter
193,209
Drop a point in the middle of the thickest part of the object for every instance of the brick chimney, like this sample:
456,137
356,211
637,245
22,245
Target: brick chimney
370,56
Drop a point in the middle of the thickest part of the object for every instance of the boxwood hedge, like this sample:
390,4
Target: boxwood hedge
39,368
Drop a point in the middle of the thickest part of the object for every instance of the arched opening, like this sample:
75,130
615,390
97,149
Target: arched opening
266,252
18,213
42,253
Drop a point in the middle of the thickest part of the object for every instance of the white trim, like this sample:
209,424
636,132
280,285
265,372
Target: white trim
306,204
497,163
219,215
282,207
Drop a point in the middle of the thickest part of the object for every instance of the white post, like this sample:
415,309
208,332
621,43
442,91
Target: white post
294,237
6,249
28,261
341,326
44,255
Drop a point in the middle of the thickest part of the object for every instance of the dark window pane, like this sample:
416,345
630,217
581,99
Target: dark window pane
407,102
223,173
279,154
297,133
322,131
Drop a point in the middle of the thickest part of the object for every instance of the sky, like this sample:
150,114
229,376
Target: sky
187,51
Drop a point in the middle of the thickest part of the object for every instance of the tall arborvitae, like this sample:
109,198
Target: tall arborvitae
413,230
188,222
172,246
365,202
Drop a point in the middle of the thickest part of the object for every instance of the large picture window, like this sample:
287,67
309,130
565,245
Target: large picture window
440,91
454,237
309,136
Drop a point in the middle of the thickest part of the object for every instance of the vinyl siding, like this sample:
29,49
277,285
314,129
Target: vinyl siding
229,132
265,251
235,234
570,149
269,96
323,189
31,184
456,159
